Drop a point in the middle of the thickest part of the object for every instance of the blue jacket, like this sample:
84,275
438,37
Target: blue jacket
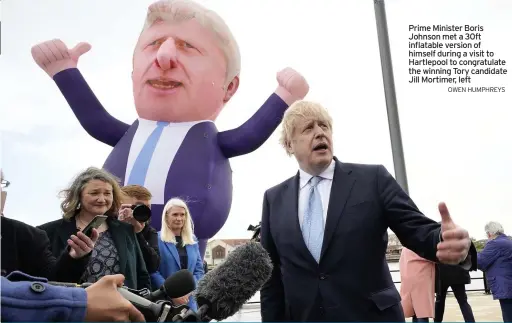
170,263
496,260
29,299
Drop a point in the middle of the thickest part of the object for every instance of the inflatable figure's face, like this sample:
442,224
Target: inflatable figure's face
179,73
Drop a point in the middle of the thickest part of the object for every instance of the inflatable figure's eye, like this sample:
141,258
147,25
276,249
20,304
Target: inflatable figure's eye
156,42
182,43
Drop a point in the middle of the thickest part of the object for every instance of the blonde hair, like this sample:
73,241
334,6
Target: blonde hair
183,10
70,206
187,234
301,110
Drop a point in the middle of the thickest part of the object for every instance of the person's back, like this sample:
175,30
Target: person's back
499,267
496,261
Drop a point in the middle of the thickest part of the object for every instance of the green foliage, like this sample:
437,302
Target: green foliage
479,245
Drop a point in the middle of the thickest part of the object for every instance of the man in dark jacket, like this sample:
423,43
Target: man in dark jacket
456,278
146,235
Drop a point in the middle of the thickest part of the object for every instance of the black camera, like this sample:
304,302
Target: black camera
256,229
141,212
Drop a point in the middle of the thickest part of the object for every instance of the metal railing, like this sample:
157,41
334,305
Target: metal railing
399,282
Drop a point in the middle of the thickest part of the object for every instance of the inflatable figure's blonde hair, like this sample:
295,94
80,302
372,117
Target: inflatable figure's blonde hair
183,10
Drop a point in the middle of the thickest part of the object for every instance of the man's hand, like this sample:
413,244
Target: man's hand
455,244
183,300
81,244
53,56
106,304
126,215
292,86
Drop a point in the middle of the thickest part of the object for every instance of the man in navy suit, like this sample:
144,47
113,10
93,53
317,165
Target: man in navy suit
326,232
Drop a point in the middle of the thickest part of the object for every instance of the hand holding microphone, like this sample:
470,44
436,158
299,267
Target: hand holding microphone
106,304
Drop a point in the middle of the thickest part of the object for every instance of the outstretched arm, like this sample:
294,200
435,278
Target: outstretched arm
255,131
87,108
60,64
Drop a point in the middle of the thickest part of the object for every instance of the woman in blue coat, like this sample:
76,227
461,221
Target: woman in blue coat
178,248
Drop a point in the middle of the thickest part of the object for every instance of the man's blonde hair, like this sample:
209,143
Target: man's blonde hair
183,10
301,110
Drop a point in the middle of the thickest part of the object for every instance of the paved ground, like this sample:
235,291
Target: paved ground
485,309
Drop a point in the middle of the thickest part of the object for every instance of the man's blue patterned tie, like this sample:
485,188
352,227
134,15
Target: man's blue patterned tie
313,223
141,165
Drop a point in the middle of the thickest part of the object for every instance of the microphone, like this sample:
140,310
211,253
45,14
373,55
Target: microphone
177,285
151,311
224,290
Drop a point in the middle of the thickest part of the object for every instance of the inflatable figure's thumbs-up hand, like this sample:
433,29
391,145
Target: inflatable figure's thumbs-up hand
53,56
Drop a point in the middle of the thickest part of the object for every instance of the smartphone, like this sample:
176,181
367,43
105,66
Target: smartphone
94,224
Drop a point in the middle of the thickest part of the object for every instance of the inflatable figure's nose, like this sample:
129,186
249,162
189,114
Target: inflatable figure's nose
166,55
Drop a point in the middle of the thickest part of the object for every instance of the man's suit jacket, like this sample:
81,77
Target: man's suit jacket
352,281
170,263
27,249
131,261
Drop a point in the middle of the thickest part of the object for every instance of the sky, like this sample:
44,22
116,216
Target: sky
456,145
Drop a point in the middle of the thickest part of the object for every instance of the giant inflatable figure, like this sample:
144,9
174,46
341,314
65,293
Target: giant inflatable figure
186,67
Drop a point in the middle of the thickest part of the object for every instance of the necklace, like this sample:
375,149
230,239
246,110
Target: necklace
81,223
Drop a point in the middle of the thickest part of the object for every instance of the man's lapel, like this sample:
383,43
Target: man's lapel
342,184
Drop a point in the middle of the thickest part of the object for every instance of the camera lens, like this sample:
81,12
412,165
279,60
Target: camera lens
141,212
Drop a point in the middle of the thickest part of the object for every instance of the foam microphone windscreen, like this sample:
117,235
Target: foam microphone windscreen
227,287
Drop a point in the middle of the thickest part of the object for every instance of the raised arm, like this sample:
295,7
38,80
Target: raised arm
60,63
255,131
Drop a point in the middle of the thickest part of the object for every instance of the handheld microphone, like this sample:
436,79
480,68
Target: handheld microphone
146,293
224,290
151,311
177,285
